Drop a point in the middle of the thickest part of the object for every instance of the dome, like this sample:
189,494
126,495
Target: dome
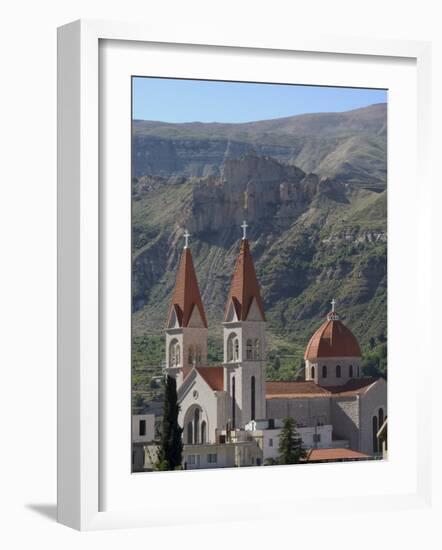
332,339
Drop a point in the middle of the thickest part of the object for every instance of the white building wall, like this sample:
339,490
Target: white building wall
312,437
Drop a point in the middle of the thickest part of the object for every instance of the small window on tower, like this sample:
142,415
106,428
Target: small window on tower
338,371
142,427
350,371
312,372
324,372
257,349
249,350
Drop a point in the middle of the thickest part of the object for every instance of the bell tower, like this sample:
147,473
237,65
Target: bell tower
186,326
244,342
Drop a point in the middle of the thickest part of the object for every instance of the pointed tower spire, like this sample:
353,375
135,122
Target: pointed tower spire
244,289
186,295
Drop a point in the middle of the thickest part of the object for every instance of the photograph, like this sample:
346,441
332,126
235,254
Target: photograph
259,274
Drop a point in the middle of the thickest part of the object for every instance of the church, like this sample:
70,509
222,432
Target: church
231,415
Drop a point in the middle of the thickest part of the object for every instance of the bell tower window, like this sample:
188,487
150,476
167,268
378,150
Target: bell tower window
233,348
338,371
174,353
312,371
257,349
324,372
249,350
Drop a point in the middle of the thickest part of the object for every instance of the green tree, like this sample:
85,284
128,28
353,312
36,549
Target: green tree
290,447
171,446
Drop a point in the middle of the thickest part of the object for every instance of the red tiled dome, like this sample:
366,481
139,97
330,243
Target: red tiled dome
332,339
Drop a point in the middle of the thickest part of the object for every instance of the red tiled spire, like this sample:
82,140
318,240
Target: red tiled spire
244,287
186,295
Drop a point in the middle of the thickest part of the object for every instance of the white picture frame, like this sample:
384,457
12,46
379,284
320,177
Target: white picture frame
81,394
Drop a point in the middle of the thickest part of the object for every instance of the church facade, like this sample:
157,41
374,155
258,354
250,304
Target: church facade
230,414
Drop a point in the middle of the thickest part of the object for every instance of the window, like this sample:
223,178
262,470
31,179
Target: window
249,350
191,356
203,431
375,431
233,402
312,372
196,426
252,389
338,371
232,348
324,372
198,355
350,371
174,353
270,442
271,423
257,349
212,458
316,438
142,427
380,417
190,433
191,459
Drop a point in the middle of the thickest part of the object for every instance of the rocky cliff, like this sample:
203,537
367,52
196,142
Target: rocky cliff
350,146
312,238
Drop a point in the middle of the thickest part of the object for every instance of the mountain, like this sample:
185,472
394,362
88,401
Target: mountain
350,146
312,238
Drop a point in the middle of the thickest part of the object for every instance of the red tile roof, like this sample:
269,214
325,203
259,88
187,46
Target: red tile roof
287,390
244,287
299,390
316,455
214,376
332,339
186,294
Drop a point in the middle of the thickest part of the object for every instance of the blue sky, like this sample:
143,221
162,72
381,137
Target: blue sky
173,100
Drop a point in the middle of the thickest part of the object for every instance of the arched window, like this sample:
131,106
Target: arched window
174,353
233,402
203,431
236,349
375,437
232,348
324,372
189,433
198,355
196,426
191,356
350,371
249,349
252,389
338,371
312,372
380,417
257,349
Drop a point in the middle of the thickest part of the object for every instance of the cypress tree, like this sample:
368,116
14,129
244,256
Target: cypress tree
171,446
290,447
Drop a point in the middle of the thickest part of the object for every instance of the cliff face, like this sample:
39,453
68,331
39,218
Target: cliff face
312,238
349,146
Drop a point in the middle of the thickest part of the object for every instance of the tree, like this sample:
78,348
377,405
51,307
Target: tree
171,446
290,447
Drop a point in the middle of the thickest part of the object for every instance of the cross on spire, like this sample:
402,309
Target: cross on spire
186,238
333,302
244,229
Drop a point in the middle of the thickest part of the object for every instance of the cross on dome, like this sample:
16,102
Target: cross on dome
333,316
244,229
186,238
